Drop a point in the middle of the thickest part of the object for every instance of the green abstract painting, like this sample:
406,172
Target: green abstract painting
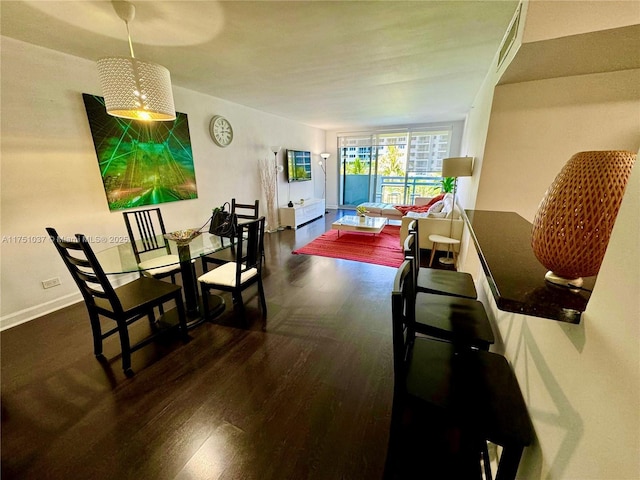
141,163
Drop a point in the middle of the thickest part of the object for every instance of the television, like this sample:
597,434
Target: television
298,165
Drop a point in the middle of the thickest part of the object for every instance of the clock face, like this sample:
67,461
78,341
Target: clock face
221,131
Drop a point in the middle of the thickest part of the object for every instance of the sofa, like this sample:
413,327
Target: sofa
434,226
437,221
388,210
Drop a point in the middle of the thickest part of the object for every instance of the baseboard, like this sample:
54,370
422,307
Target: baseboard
31,313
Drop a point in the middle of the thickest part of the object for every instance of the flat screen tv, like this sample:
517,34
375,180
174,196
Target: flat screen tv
298,165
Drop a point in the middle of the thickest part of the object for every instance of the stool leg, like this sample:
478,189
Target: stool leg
433,253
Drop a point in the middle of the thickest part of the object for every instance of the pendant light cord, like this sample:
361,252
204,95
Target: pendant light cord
129,37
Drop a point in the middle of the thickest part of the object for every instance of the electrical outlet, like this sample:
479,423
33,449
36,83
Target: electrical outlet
52,282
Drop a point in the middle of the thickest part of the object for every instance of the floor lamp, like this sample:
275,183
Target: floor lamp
323,166
278,168
455,167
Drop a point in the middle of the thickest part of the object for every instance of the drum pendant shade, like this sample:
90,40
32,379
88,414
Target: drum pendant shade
132,88
573,224
136,89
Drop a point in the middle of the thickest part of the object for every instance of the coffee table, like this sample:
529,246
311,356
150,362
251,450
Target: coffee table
353,223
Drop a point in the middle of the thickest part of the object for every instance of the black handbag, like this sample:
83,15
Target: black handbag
223,223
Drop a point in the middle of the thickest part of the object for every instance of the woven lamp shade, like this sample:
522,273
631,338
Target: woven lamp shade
573,224
135,89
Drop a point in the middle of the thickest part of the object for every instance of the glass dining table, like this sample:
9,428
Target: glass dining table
120,259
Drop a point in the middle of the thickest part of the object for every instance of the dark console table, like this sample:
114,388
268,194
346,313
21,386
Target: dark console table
515,276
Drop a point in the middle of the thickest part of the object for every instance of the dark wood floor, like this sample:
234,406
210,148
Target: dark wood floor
310,397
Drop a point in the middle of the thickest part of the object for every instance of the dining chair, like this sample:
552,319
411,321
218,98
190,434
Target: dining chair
125,304
437,281
472,392
149,237
246,270
242,211
454,319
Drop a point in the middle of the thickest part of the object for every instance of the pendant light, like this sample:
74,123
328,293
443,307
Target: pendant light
132,88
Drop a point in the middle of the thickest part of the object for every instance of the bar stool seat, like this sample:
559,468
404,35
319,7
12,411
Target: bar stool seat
459,320
446,282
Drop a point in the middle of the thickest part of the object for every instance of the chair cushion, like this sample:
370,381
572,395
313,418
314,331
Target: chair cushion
160,265
226,275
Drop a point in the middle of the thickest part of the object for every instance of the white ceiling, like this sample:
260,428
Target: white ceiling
333,65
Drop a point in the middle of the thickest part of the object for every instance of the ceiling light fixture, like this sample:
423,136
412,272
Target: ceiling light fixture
133,88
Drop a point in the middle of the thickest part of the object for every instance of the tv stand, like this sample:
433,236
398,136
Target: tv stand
299,214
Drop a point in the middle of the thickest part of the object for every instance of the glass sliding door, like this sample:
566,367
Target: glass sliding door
357,162
393,166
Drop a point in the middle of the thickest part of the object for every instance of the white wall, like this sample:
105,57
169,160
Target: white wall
537,126
581,382
50,174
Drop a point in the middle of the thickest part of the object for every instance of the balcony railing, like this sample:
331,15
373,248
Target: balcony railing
389,189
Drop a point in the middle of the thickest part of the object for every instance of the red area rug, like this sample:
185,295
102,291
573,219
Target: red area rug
381,249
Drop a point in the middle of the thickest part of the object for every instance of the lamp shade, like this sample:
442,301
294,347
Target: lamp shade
136,89
457,167
325,155
572,226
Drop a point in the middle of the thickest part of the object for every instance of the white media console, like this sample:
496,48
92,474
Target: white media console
300,214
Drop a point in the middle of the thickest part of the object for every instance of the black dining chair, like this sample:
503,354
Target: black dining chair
237,275
124,305
450,318
242,211
146,233
471,393
439,282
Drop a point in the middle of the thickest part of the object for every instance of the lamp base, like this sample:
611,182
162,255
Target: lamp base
564,282
447,260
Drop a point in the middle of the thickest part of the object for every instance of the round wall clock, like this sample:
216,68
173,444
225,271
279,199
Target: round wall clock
221,131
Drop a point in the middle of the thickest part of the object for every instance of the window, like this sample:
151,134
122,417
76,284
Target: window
392,166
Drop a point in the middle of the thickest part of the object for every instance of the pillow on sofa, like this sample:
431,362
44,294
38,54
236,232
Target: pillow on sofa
437,207
404,209
456,213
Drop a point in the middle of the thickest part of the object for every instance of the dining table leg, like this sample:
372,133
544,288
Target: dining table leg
188,281
191,294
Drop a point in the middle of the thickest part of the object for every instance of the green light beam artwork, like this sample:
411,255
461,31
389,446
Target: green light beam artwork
141,163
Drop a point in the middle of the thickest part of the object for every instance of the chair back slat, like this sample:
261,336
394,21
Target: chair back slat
403,315
79,262
412,246
150,231
86,271
412,252
249,245
247,211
